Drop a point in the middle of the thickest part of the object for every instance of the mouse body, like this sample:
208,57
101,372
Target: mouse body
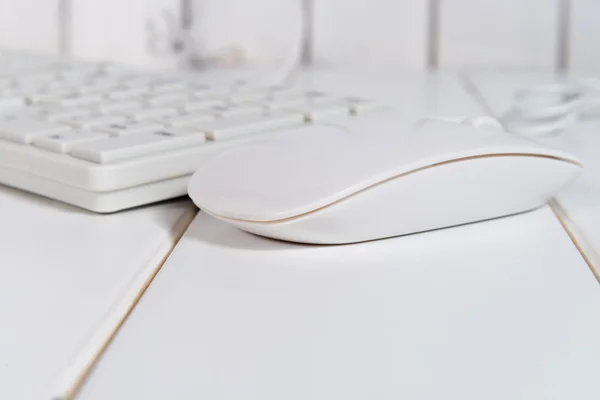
378,177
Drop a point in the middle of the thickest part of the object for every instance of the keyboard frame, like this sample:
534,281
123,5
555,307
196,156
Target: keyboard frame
98,202
116,186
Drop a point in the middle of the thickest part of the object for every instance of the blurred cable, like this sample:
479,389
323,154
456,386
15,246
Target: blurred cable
171,37
563,35
64,30
554,107
308,7
433,34
187,14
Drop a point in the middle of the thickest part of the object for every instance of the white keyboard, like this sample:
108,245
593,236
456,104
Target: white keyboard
106,138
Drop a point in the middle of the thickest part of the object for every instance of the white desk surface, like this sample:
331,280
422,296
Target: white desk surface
505,309
580,202
65,274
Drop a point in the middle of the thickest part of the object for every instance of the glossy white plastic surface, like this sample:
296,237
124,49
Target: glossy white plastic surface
378,177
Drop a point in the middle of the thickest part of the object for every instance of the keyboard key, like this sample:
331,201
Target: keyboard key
132,146
22,92
257,97
120,107
62,143
67,115
325,111
37,78
286,103
241,87
11,102
51,96
363,106
135,81
188,120
96,120
223,129
211,93
25,130
98,87
311,96
128,93
239,110
299,100
167,98
168,86
131,127
150,113
179,131
22,113
77,100
203,105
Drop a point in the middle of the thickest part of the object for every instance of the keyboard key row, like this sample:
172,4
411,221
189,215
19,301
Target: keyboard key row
62,143
134,119
95,121
116,142
178,99
99,114
131,146
139,116
187,120
25,130
128,128
246,125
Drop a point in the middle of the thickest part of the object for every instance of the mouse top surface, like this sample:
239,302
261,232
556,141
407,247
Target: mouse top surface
311,167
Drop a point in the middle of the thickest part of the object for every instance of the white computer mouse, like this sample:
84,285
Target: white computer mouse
378,177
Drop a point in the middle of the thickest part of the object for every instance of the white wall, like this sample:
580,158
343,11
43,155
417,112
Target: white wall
29,24
360,33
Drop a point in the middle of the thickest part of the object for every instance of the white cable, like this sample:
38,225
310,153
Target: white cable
294,58
181,45
552,108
